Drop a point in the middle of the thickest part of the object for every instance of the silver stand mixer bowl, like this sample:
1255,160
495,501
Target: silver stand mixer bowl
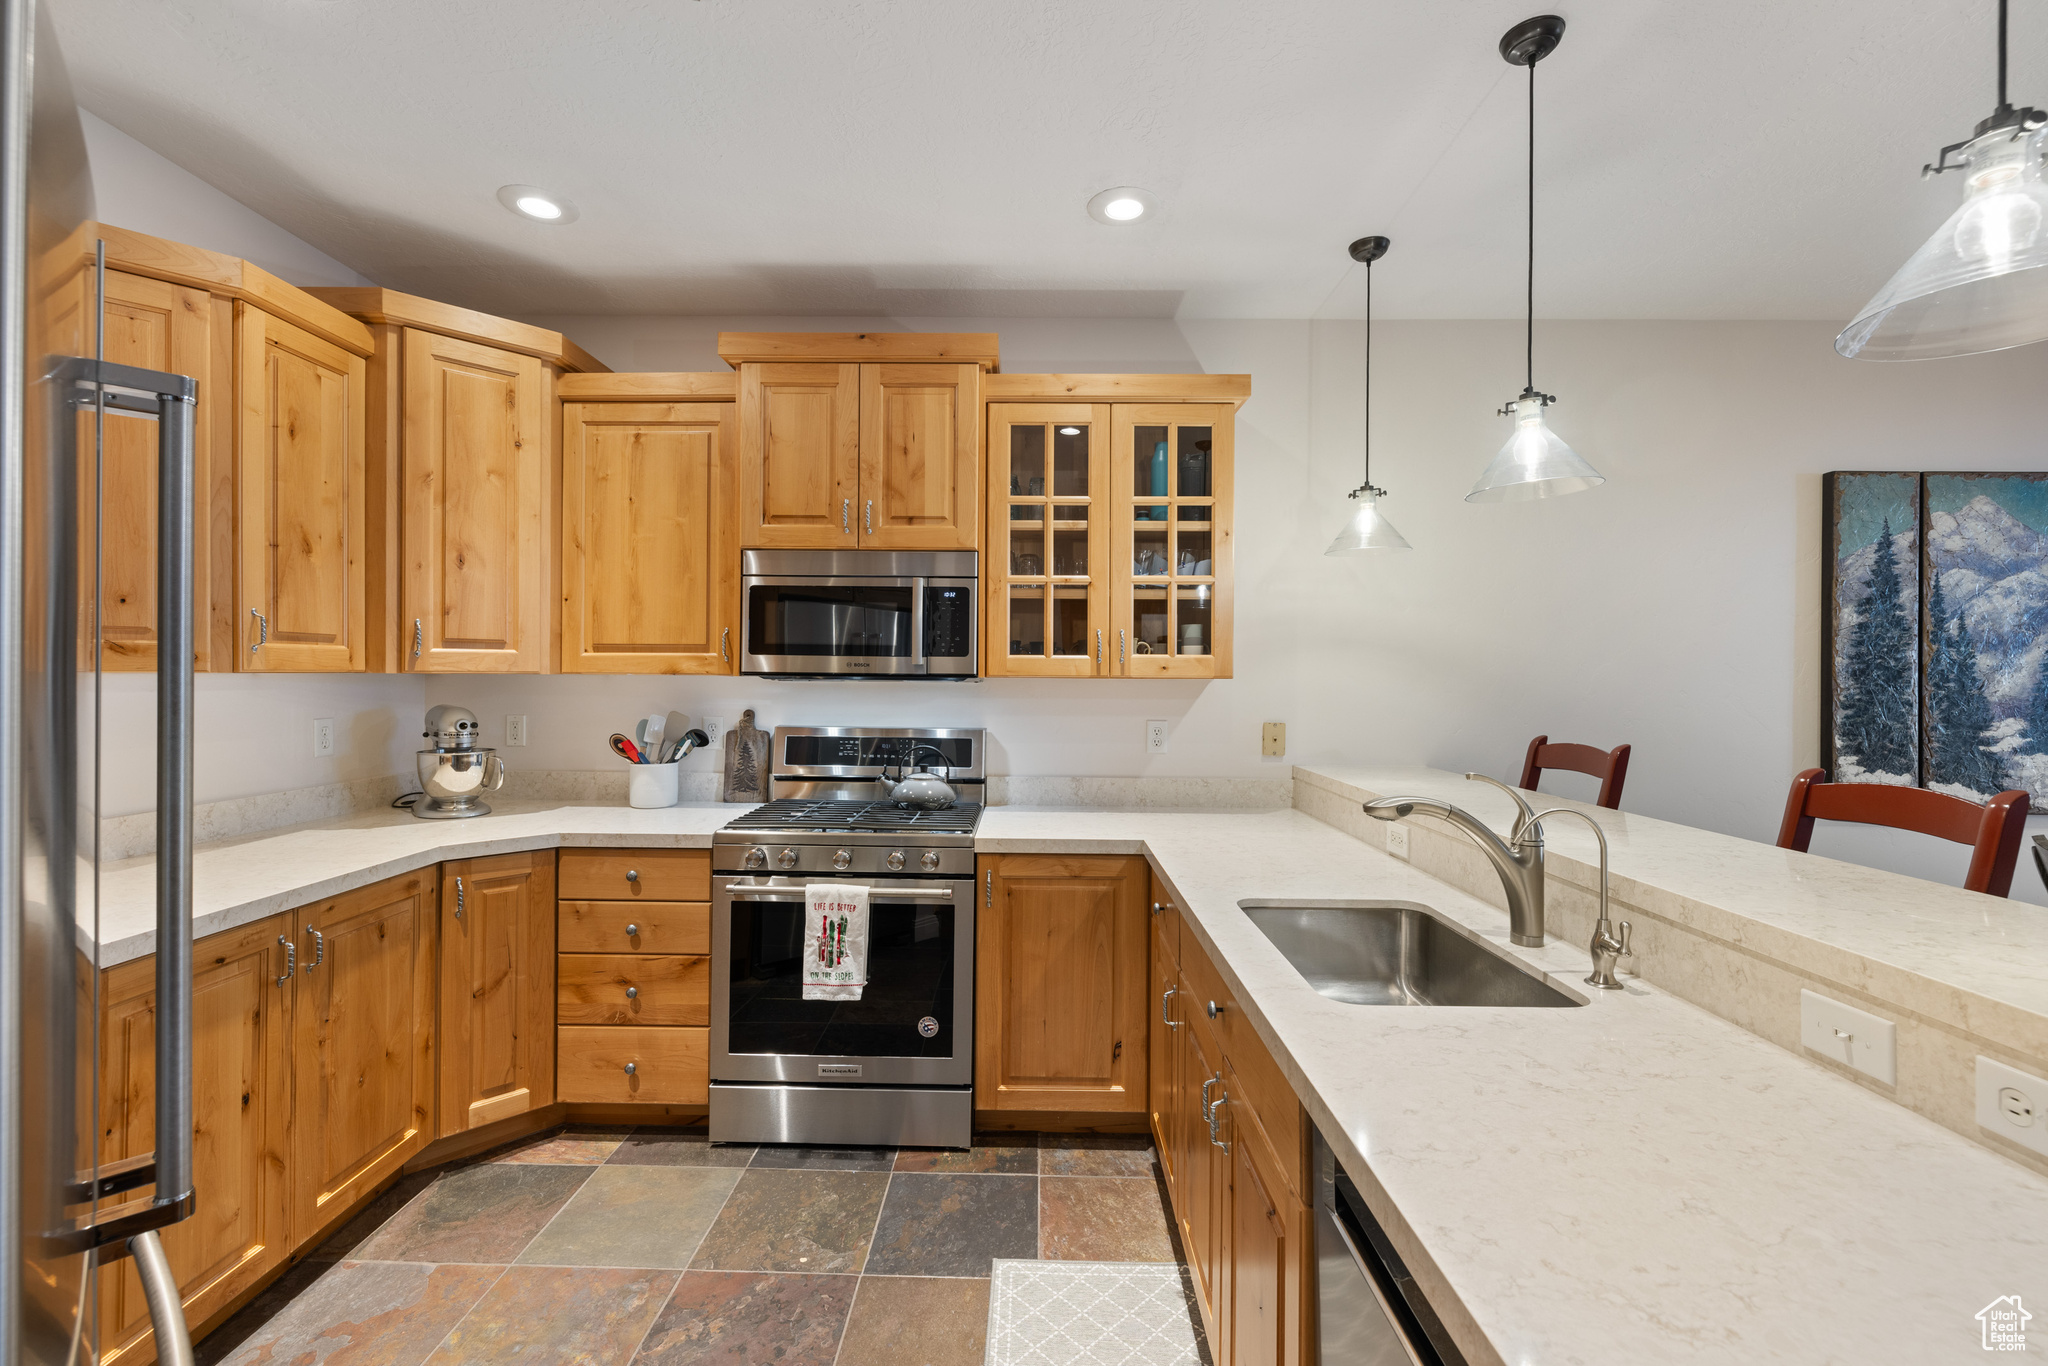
455,774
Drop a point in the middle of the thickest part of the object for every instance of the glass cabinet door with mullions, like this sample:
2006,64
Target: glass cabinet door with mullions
1047,570
1170,553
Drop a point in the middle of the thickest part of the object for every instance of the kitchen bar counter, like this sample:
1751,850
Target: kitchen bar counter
1635,1180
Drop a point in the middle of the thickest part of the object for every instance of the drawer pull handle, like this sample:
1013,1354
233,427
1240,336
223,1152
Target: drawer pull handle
418,638
262,630
631,1068
632,875
291,960
845,516
871,517
319,948
1164,1017
632,993
632,931
461,899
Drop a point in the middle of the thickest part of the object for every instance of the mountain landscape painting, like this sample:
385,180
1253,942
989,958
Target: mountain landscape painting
1985,620
1871,641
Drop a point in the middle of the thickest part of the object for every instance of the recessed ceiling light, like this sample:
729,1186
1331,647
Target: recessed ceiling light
1122,206
530,201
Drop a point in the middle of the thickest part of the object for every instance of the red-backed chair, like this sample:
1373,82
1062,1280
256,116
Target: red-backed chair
1610,766
1993,829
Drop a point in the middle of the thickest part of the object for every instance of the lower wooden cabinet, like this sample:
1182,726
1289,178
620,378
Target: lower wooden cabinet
1231,1138
362,1042
1060,984
633,979
241,1101
497,988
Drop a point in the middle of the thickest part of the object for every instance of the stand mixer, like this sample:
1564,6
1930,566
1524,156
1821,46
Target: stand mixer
455,773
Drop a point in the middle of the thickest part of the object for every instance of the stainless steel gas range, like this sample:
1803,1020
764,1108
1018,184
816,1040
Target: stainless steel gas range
896,1066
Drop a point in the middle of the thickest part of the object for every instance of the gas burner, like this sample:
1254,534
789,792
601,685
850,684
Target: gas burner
797,814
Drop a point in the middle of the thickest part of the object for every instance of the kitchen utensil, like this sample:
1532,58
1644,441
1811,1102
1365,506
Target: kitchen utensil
626,749
651,731
922,788
676,724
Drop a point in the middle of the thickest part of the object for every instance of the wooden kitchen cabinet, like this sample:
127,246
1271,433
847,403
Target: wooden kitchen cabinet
241,1107
1171,490
363,1075
282,506
860,440
1046,579
301,506
1060,984
464,563
497,994
650,537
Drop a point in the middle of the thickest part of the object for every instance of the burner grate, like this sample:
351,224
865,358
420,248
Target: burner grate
830,817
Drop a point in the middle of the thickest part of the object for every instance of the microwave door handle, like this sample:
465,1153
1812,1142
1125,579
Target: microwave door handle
917,656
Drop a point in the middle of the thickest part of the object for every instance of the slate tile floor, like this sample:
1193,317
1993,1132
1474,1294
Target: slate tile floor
652,1247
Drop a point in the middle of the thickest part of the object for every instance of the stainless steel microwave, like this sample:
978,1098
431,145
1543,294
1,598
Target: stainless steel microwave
860,614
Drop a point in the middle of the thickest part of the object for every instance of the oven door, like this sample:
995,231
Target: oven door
914,1024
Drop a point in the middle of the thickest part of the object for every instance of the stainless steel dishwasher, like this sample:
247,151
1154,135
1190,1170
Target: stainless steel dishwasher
1370,1311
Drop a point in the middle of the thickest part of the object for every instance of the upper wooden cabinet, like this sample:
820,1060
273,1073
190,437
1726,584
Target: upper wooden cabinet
463,566
1061,984
279,553
650,535
301,498
1110,526
860,440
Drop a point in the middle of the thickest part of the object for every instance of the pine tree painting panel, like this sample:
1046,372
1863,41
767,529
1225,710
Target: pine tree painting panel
1871,662
1986,622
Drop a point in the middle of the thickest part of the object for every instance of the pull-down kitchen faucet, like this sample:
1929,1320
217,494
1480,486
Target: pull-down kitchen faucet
1519,860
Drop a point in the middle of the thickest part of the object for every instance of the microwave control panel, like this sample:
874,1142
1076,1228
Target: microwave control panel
948,619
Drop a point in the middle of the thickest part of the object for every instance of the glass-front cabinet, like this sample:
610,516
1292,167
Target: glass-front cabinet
1047,567
1108,540
1170,487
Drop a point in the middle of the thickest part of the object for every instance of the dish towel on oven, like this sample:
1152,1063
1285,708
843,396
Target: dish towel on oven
835,941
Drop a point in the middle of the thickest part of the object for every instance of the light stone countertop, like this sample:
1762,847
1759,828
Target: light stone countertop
1632,1181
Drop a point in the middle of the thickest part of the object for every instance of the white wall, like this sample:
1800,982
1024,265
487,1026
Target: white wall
254,733
1676,608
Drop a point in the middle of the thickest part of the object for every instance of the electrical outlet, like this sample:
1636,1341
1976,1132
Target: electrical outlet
1273,739
713,727
2012,1104
515,730
1397,839
323,738
1155,737
1856,1038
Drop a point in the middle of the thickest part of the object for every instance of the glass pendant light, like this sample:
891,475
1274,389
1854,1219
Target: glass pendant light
1536,463
1978,283
1367,529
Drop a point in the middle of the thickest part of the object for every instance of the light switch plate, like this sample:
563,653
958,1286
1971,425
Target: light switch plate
2012,1104
515,730
1155,737
1397,839
1842,1033
323,737
1273,739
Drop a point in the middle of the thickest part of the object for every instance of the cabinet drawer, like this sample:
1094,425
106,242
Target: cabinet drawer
634,927
1263,1084
670,1066
668,989
635,875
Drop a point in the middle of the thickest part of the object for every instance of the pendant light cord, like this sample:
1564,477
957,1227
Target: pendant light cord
1529,309
2001,54
1368,374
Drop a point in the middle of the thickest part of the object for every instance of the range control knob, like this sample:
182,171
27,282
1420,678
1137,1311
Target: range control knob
757,857
895,860
930,861
787,858
842,859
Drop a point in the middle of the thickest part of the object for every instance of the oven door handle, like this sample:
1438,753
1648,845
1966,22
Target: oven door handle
874,894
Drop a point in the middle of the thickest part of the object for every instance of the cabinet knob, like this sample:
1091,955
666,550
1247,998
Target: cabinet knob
631,1068
632,875
632,931
1157,908
1214,1010
633,994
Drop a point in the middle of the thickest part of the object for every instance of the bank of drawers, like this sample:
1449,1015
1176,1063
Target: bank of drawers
633,976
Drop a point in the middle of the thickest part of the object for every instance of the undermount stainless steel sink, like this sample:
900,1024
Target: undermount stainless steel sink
1396,953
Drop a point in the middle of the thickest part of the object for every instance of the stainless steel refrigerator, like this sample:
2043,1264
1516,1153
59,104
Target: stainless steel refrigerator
65,1213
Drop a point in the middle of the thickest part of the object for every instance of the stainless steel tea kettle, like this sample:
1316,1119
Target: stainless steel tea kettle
922,788
455,773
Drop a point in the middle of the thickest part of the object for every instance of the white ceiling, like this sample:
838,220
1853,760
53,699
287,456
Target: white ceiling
1746,159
